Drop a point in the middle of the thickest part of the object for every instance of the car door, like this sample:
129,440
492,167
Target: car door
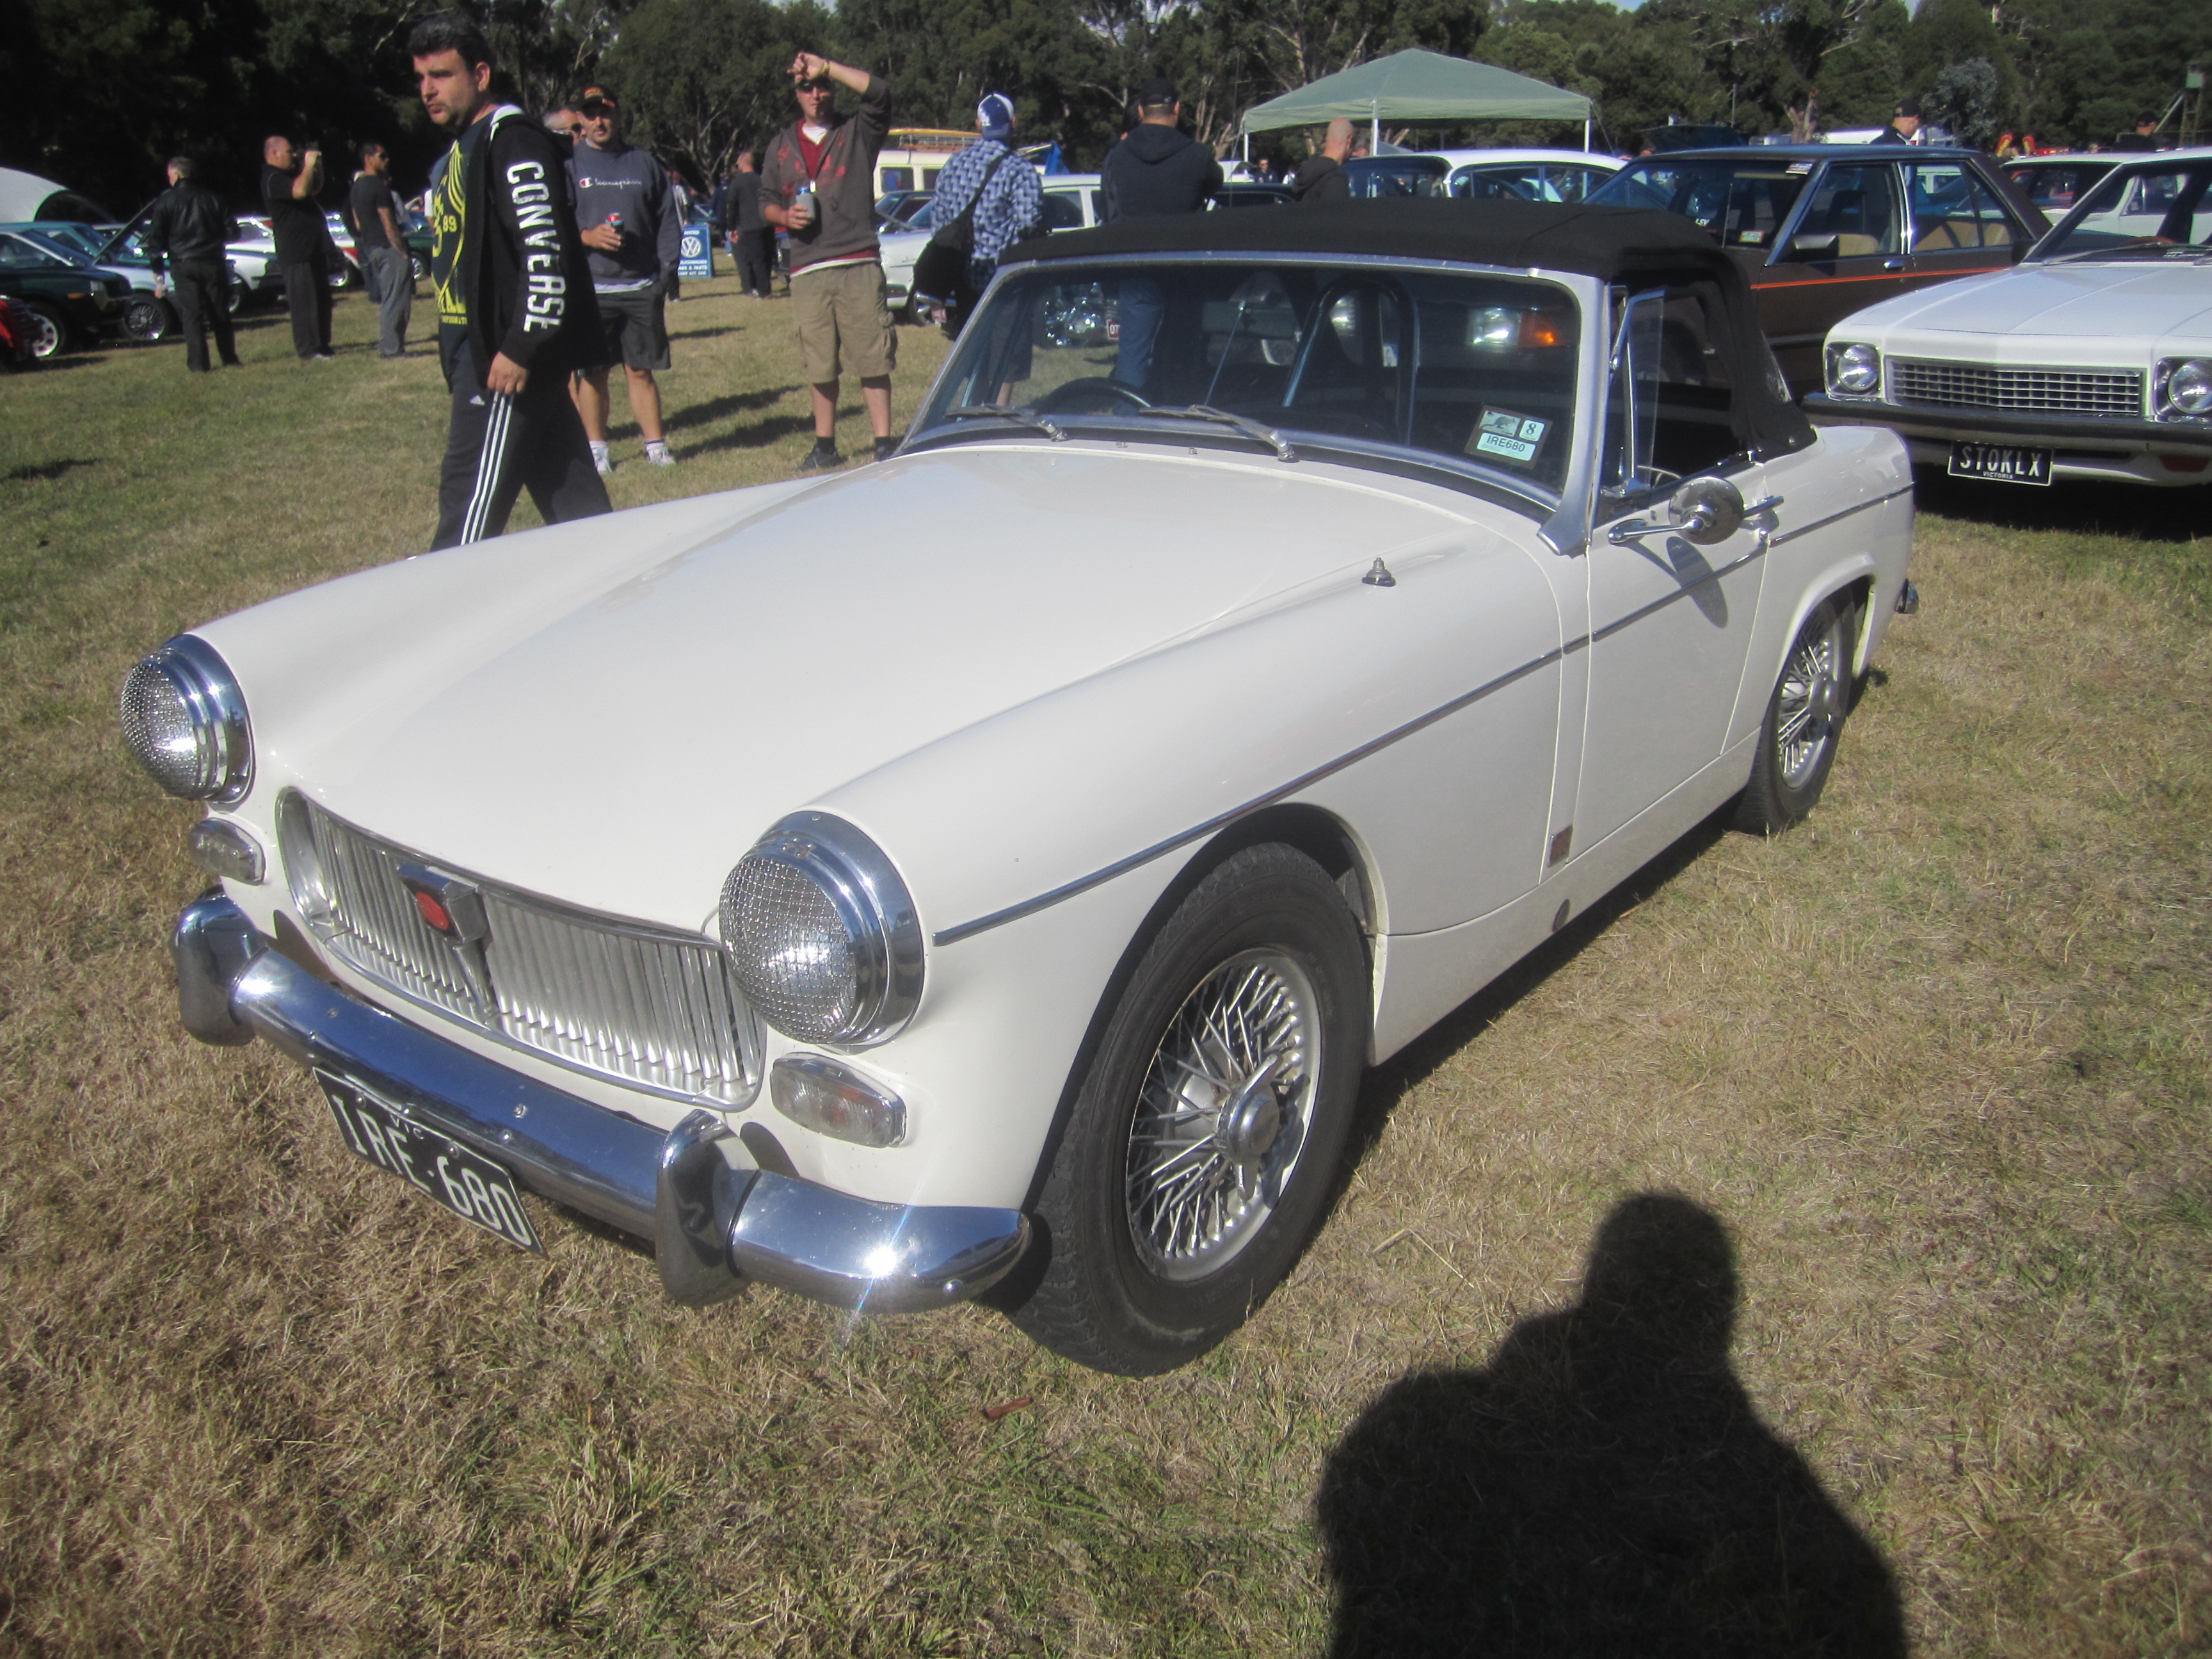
1960,226
1845,252
1670,621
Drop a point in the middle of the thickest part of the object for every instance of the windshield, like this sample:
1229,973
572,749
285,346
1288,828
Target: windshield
1477,369
22,251
1741,204
2141,213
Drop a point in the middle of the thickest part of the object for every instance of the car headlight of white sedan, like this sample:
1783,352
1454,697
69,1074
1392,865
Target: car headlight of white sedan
1854,371
184,720
2184,388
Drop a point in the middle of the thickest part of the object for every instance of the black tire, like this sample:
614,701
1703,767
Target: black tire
49,332
148,320
1120,1291
1804,722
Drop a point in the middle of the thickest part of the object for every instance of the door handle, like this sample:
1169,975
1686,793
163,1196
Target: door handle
1893,264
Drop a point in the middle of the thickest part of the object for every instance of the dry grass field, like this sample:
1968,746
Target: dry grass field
1926,1084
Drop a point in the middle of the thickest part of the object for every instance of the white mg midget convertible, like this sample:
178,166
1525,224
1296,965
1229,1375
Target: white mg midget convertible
992,869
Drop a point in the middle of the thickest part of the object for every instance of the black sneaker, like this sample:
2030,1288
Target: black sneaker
820,458
886,447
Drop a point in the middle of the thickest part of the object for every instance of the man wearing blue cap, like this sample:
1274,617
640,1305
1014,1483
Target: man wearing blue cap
1008,201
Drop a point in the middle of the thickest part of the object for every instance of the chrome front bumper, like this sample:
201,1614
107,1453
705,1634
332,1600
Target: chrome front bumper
715,1221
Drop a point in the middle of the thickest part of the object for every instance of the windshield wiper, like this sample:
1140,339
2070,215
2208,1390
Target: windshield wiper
1250,428
1028,417
2137,244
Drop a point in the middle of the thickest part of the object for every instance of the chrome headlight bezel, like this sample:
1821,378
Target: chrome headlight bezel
882,933
192,672
1854,370
2178,402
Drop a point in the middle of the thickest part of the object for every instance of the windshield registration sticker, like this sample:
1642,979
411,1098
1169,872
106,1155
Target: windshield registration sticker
1511,437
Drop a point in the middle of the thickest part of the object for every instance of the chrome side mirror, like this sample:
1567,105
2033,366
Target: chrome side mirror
1706,510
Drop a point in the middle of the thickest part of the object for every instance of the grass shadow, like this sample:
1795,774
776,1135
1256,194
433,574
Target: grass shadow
1391,1082
715,333
2136,512
758,434
1602,1486
41,471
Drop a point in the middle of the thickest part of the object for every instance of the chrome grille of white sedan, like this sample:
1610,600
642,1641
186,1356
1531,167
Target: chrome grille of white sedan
648,1007
2017,390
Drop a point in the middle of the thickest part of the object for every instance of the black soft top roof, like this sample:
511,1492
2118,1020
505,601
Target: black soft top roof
1608,242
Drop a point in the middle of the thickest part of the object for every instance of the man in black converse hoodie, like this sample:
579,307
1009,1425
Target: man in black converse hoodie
1155,170
516,313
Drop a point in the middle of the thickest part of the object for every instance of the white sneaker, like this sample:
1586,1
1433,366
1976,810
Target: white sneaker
660,458
605,465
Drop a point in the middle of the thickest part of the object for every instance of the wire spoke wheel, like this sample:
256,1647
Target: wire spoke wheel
1223,1113
1807,702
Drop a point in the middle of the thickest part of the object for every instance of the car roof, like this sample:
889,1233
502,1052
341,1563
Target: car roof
1814,153
1607,242
1461,158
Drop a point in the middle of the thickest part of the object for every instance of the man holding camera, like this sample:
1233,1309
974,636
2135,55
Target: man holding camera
819,184
290,180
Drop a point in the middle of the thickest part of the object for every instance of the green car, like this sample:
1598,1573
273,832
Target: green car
70,303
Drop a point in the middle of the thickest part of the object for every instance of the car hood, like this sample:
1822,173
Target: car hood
622,750
2118,301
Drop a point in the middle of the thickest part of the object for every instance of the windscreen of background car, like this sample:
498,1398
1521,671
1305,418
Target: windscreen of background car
1738,203
2148,213
2056,186
1479,370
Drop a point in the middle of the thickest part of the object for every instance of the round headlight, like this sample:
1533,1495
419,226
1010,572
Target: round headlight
2189,387
185,722
823,933
1857,370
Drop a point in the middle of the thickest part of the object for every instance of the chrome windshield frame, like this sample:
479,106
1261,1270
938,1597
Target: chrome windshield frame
1565,514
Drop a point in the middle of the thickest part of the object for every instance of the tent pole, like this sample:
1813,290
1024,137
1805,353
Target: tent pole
1374,126
1585,132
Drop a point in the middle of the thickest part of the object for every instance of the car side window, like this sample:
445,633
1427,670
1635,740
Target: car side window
1063,210
1670,408
1854,215
1953,209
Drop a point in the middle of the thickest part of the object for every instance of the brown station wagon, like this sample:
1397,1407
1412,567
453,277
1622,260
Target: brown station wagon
1827,230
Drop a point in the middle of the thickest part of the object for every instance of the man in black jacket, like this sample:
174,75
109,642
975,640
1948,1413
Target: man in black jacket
1156,169
516,314
185,238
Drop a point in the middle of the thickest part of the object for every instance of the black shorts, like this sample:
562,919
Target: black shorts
637,334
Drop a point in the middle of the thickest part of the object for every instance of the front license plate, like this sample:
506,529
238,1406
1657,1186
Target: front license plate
2000,463
465,1182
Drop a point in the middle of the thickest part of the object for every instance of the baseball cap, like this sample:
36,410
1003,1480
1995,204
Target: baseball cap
995,114
591,96
1909,106
1155,92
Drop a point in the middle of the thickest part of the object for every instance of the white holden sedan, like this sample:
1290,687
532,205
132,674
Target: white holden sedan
2090,360
992,870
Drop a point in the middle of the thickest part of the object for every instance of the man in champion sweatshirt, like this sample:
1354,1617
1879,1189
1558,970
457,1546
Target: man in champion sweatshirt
516,313
627,219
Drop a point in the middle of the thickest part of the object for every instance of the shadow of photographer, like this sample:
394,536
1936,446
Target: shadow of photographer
1603,1486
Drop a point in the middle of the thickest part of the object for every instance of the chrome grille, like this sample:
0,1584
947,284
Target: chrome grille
654,1008
2023,390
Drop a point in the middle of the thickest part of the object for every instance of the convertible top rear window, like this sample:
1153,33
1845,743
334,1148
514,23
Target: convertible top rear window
1475,368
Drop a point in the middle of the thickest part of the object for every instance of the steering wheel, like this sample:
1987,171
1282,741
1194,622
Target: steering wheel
1085,397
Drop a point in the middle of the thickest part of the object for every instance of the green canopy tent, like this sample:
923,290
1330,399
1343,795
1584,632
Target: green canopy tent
1418,86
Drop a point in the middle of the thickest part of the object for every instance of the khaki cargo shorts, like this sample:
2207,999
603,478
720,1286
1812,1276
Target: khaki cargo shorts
844,325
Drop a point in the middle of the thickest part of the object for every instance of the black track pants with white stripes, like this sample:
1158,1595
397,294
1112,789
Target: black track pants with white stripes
498,446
